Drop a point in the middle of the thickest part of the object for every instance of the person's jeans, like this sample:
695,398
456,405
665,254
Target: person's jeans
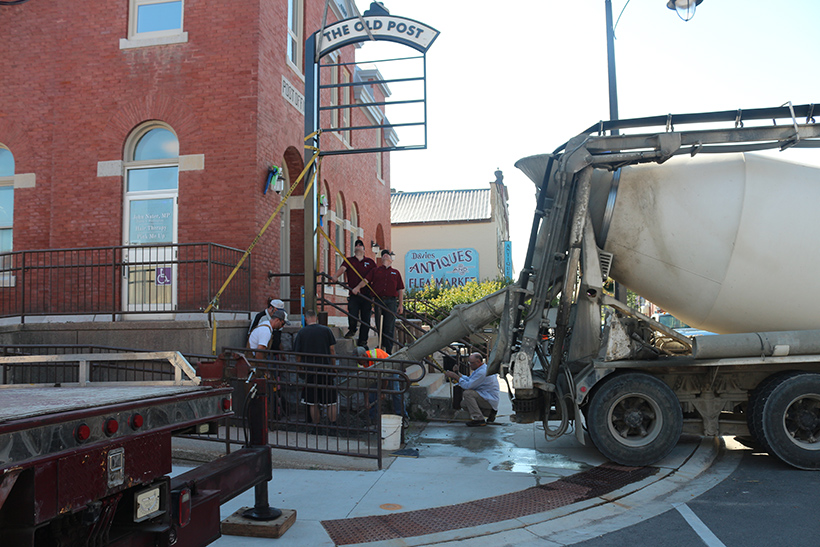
359,308
389,320
397,399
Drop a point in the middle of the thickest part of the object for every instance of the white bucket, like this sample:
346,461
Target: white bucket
391,432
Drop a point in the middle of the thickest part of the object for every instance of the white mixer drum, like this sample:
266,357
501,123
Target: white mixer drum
723,242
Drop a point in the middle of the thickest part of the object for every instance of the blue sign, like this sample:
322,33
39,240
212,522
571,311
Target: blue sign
453,267
508,270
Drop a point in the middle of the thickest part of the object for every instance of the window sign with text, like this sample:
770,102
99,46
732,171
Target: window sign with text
151,221
453,267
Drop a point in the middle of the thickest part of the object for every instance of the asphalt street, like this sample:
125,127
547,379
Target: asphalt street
762,503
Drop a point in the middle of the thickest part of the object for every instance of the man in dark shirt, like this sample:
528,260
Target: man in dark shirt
388,285
320,390
358,306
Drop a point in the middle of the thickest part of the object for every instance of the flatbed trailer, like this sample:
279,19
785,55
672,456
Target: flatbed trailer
88,463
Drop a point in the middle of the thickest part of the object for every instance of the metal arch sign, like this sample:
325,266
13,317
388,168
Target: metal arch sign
383,27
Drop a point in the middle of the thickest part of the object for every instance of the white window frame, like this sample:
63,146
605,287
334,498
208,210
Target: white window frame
334,91
354,226
340,230
295,24
344,100
153,38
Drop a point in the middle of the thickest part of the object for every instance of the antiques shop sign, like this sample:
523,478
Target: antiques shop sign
454,267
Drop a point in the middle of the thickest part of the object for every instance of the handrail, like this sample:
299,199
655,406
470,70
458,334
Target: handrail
83,360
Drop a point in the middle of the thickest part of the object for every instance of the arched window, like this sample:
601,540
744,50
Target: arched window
150,217
340,229
6,199
151,186
354,226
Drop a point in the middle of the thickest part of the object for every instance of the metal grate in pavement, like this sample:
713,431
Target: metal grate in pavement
579,487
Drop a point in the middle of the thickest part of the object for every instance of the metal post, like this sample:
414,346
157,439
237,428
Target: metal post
258,424
610,57
311,125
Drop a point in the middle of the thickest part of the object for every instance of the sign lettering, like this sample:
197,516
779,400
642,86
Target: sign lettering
453,267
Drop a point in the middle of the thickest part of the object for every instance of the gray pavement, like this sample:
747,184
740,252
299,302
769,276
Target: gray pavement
457,464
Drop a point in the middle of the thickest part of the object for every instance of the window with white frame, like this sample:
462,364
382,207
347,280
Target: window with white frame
379,157
345,102
151,186
340,230
6,201
354,225
334,90
155,18
295,10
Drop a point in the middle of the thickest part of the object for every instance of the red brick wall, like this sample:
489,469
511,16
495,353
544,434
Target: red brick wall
71,97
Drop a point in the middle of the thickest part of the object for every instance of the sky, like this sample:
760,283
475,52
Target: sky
510,79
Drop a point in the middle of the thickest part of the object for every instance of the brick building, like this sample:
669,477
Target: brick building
134,122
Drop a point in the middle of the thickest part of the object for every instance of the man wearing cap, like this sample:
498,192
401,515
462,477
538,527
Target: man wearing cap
388,285
358,307
480,391
262,336
273,305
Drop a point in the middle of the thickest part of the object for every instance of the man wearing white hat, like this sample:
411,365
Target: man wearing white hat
274,304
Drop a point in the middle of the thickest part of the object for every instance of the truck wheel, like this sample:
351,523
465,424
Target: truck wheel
634,419
756,424
789,416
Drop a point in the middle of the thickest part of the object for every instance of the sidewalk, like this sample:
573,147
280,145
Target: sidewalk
494,485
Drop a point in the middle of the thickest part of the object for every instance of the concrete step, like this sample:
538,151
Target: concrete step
432,399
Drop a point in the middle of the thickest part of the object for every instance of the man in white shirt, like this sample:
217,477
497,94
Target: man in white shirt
260,337
480,391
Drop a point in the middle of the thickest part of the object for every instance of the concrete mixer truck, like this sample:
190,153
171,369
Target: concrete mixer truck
677,210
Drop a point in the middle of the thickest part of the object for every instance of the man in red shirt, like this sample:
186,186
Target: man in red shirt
388,285
358,307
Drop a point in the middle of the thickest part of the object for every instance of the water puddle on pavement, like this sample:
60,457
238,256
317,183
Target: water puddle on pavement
494,445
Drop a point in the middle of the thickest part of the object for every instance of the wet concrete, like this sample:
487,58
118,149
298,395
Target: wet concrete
505,447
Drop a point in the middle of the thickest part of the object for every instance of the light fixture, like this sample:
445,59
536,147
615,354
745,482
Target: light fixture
374,247
685,8
322,205
276,177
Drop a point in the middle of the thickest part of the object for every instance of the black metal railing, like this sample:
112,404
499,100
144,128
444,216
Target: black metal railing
155,279
352,428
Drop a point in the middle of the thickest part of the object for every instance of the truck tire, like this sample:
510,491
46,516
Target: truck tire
754,419
634,419
788,412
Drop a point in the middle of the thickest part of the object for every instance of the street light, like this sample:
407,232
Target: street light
685,8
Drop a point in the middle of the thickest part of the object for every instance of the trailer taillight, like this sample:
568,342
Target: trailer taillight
136,421
82,433
226,404
111,426
184,507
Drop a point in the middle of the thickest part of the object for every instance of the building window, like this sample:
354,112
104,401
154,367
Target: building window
334,90
6,202
340,230
295,10
354,226
154,18
151,186
345,102
379,157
